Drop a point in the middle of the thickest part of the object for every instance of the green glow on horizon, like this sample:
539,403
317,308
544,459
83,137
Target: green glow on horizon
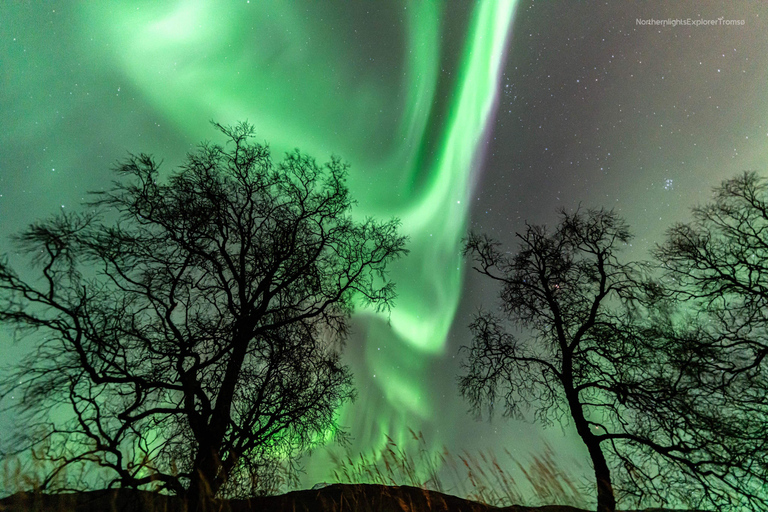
293,79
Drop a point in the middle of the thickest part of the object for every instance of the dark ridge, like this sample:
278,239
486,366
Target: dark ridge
332,498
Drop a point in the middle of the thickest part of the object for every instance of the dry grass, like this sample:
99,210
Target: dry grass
481,478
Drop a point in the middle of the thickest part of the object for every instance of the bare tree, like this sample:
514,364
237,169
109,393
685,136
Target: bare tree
591,356
193,326
716,280
717,265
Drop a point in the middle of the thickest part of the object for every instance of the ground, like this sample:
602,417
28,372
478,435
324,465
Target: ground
333,498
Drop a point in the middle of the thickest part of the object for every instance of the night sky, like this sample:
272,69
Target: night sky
453,117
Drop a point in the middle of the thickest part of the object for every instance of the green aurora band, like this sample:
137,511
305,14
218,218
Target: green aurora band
285,72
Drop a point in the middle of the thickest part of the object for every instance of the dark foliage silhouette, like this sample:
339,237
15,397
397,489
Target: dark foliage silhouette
590,354
193,325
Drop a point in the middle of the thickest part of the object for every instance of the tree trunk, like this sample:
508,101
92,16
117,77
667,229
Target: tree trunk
207,470
606,502
202,487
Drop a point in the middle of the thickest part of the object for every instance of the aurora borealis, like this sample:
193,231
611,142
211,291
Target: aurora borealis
453,116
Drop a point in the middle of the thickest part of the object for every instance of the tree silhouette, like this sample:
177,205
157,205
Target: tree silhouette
193,326
716,280
718,265
590,355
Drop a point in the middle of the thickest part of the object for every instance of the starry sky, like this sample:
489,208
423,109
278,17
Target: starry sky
453,116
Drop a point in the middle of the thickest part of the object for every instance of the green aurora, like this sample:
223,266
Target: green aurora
193,64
